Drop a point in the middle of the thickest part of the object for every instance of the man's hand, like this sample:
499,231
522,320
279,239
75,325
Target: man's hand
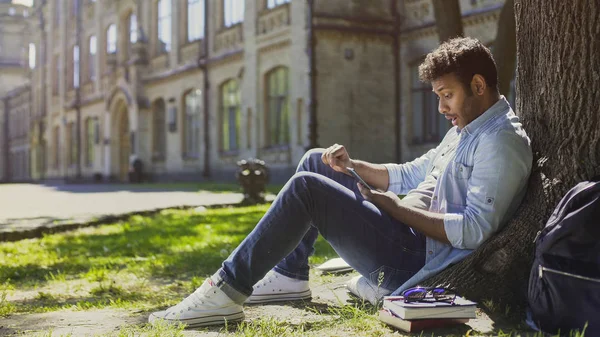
384,200
337,158
429,223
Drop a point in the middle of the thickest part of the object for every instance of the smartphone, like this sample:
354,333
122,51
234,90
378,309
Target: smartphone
357,177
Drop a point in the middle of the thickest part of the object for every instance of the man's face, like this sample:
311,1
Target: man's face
458,106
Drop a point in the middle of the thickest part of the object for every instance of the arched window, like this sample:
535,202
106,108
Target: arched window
230,116
191,129
164,26
89,141
278,113
159,141
111,39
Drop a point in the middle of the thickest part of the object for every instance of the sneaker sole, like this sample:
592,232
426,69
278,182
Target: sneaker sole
214,320
266,298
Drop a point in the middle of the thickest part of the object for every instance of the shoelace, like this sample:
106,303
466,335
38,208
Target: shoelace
267,279
193,300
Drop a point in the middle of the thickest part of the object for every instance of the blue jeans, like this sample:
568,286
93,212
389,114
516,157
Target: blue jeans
316,200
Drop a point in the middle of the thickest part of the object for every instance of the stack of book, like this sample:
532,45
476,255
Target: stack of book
416,316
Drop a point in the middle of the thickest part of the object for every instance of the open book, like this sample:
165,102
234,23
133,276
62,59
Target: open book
462,308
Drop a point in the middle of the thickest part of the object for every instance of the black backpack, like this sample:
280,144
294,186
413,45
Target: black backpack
564,284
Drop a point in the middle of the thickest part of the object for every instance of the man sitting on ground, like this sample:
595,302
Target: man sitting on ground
457,196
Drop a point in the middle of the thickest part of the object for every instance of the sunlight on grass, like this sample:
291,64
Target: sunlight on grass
142,263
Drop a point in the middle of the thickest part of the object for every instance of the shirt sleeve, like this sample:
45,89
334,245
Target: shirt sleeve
502,164
407,176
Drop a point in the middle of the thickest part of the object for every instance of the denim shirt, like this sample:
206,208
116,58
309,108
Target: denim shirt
482,173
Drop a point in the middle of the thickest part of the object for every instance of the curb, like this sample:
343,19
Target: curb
67,225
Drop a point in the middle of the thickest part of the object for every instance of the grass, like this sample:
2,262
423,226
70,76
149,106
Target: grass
147,263
215,187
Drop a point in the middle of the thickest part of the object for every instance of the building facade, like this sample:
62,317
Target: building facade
15,94
190,94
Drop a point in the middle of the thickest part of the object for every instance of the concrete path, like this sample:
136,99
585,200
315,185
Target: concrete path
26,207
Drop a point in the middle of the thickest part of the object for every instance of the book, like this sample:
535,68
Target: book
388,317
462,308
333,266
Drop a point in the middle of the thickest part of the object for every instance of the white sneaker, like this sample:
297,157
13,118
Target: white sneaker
208,305
363,289
275,287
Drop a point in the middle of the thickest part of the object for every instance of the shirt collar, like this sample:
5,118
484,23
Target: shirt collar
501,107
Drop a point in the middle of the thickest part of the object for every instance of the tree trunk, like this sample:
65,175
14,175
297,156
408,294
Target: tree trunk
558,100
448,19
505,47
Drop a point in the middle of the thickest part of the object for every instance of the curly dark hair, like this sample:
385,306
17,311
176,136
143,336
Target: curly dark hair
463,56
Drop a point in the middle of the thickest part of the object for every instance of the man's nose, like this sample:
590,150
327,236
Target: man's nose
442,108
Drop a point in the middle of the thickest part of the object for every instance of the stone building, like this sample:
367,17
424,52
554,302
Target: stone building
14,92
190,94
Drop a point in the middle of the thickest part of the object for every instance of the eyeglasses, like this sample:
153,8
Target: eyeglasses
420,294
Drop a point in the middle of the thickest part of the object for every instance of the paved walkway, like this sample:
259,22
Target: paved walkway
27,207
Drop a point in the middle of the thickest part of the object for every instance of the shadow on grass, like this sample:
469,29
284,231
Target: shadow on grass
172,245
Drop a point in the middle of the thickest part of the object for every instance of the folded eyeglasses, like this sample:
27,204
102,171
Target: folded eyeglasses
428,294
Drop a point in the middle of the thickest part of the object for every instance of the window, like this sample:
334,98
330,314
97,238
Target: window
57,12
111,39
158,131
191,130
31,56
55,145
76,67
275,3
428,125
230,116
164,26
72,143
90,129
195,20
233,12
277,107
92,58
133,29
75,8
55,75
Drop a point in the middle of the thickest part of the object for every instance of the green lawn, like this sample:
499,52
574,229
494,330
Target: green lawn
117,265
147,263
215,187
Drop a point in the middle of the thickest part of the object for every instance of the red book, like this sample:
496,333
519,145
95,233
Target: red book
388,317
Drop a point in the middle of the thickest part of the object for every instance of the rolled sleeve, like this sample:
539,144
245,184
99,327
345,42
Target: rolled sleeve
502,165
407,176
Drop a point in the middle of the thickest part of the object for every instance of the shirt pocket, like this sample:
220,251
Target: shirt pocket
460,171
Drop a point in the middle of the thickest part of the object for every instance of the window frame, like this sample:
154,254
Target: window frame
111,39
160,22
229,15
190,5
429,111
274,98
270,4
92,54
229,86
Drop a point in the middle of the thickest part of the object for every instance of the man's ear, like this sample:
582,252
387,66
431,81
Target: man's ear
478,84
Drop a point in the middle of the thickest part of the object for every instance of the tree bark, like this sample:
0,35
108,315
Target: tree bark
448,19
505,47
558,101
